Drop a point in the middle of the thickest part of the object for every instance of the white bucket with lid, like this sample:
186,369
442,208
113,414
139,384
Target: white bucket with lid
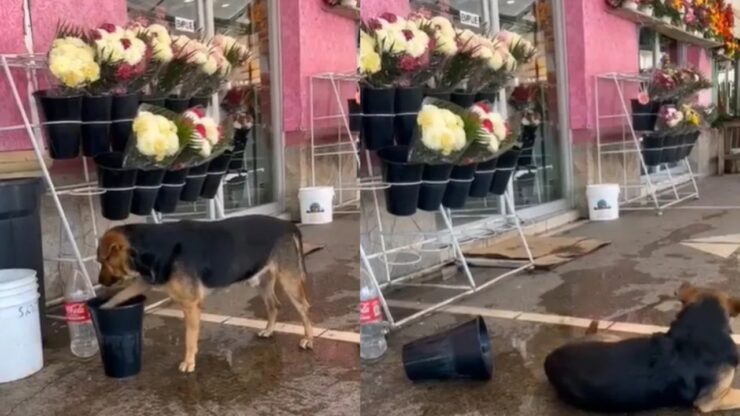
603,201
316,204
21,353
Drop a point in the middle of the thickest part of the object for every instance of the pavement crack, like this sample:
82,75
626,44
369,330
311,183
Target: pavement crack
41,390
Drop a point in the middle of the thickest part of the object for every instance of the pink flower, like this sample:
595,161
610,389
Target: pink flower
374,24
198,111
643,98
408,34
126,43
487,125
484,107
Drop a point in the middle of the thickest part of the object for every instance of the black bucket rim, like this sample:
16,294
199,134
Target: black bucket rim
101,156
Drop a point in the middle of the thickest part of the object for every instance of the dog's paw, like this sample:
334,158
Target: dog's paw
265,333
306,343
187,366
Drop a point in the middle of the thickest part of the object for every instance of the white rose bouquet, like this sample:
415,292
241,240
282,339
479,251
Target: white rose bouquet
160,54
444,132
158,136
495,136
498,68
394,51
207,138
190,62
224,55
123,58
522,49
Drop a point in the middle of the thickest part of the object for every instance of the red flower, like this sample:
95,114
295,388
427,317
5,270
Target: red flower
126,43
487,125
125,72
95,35
374,24
198,111
389,17
408,34
201,130
108,27
408,64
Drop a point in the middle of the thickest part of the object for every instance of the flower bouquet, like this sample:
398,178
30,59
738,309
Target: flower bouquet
72,63
206,152
499,68
394,62
496,137
227,54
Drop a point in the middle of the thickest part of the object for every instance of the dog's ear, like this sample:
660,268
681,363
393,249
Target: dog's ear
155,267
687,293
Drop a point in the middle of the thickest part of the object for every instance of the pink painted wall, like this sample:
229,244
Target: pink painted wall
44,18
372,8
317,42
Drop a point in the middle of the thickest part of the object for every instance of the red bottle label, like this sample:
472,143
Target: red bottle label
76,312
370,312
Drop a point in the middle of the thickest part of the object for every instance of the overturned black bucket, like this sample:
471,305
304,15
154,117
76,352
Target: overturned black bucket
169,193
460,353
461,179
434,181
194,183
118,183
148,183
404,179
217,168
119,332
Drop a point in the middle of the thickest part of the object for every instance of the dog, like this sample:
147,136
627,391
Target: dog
693,364
188,259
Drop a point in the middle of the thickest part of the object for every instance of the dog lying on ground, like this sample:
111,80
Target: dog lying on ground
693,364
190,258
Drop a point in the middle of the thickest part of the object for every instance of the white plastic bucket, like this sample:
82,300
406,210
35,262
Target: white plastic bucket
21,353
603,201
316,204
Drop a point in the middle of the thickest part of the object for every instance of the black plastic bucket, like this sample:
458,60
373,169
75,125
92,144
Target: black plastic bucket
505,166
217,168
354,110
118,184
119,332
461,179
440,95
148,183
672,145
689,142
63,138
176,104
490,97
169,194
96,117
483,178
377,117
407,106
463,352
124,107
644,116
434,180
529,137
241,137
194,183
652,150
463,99
155,101
404,178
203,101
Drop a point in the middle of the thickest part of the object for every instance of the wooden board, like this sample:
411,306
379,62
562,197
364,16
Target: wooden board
20,164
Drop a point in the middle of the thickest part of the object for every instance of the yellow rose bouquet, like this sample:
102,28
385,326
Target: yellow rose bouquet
158,136
72,61
444,132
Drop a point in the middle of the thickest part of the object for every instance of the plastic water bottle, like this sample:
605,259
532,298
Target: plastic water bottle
372,329
83,342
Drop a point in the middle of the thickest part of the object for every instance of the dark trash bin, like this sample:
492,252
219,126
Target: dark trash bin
20,231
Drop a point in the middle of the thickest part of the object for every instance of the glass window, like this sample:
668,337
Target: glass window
647,49
465,13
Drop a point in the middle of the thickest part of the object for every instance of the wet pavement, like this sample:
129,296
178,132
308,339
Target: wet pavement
237,373
631,280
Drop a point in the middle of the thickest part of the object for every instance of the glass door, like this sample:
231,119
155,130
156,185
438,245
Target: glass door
252,183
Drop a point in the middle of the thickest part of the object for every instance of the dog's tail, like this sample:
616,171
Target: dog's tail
298,239
593,328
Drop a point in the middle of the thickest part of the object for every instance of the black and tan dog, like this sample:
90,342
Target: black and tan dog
190,258
693,364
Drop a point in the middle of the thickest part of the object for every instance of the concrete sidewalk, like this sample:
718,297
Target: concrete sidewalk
237,373
631,281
